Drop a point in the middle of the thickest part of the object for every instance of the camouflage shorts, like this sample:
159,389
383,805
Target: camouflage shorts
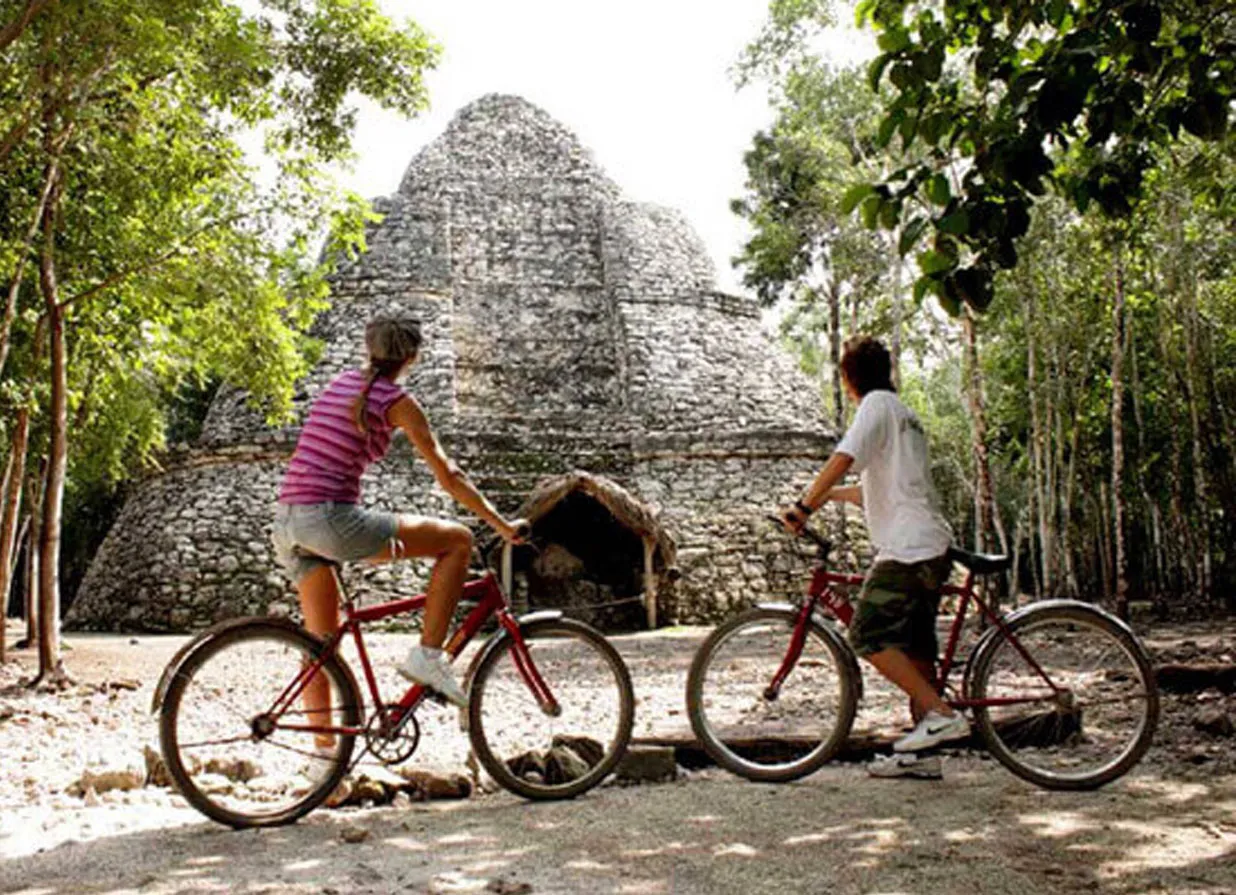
897,608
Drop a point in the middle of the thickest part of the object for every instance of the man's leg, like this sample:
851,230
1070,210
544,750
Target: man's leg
914,677
928,670
888,631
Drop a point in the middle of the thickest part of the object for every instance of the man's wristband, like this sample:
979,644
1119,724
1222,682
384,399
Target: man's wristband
803,508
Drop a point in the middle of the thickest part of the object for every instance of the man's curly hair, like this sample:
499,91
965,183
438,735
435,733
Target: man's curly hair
866,365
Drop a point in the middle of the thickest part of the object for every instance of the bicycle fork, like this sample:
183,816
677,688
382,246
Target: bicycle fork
527,668
797,639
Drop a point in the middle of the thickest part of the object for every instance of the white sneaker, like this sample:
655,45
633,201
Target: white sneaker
435,673
907,765
933,730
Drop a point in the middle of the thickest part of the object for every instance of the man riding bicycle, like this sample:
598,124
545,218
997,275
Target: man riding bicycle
894,625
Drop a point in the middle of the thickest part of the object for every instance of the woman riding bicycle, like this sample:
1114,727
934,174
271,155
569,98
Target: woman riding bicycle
319,517
894,625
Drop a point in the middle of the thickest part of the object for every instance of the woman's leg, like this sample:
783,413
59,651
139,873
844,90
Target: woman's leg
319,601
451,544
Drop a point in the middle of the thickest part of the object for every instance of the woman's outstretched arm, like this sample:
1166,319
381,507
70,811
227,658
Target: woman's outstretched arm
407,415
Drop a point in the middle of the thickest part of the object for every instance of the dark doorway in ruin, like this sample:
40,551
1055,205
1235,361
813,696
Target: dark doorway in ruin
601,555
590,565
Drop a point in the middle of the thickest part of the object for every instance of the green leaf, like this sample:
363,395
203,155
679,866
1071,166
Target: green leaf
888,126
933,262
950,303
911,233
854,195
956,224
894,40
927,284
870,210
889,214
938,190
875,71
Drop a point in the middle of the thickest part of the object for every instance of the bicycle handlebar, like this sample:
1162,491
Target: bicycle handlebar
815,537
493,543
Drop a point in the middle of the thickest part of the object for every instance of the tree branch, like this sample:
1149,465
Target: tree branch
10,305
15,28
150,263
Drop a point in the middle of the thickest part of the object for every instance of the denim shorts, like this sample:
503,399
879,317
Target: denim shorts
310,535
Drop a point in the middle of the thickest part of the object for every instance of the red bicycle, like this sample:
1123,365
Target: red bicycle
549,715
1061,692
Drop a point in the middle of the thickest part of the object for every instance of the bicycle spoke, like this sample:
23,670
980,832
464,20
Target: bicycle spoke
558,753
219,742
1096,726
731,710
238,764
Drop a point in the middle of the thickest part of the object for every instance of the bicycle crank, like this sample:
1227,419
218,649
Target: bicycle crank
392,746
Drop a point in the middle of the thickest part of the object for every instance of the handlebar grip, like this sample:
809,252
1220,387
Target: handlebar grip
804,532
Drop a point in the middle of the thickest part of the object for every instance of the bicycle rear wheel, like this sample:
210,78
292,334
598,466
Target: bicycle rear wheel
1100,720
771,737
228,757
543,755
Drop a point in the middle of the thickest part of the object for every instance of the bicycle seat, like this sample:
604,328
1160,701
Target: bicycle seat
980,563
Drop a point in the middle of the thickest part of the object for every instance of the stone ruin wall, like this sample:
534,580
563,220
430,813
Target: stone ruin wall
566,329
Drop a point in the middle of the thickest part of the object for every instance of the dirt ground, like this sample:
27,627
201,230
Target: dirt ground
1170,826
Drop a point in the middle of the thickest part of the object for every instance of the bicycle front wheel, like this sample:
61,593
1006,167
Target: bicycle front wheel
753,730
558,751
229,755
1084,716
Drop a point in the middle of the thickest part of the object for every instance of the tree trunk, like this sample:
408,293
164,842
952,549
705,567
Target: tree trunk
983,492
51,668
898,308
1042,582
1201,495
10,303
1104,540
14,478
1120,570
35,502
834,353
978,436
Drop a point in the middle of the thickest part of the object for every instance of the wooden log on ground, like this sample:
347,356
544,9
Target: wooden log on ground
1182,678
1037,729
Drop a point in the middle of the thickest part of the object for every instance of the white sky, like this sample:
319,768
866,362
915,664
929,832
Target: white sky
645,84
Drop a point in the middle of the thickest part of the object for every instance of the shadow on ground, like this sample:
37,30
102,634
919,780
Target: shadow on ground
837,832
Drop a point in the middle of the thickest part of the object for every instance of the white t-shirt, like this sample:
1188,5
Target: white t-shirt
890,451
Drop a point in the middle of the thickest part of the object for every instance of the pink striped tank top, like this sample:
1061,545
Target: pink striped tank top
331,455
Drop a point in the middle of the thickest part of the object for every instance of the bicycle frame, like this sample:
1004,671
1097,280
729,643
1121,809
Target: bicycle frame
822,591
490,599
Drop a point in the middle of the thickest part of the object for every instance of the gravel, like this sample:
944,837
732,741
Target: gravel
102,722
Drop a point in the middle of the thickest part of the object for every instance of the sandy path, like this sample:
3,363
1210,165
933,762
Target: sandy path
838,832
1168,827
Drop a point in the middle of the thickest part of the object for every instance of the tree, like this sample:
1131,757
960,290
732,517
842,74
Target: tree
160,254
1115,79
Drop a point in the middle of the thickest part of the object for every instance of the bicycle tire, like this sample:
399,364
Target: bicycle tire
195,661
699,694
1066,615
490,664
